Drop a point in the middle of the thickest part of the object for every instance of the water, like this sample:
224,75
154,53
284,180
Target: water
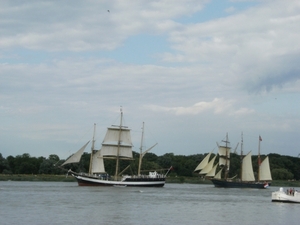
66,203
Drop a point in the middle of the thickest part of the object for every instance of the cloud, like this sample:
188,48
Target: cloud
65,64
217,106
84,27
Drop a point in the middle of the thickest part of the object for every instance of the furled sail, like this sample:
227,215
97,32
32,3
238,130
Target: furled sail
97,163
75,158
247,169
203,163
208,167
113,146
264,170
212,172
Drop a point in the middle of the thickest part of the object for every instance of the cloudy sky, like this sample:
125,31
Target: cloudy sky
192,70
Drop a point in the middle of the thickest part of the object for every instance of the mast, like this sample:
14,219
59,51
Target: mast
119,143
242,143
141,152
258,157
226,158
92,150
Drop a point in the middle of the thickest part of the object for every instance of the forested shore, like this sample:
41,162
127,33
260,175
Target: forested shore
283,168
170,179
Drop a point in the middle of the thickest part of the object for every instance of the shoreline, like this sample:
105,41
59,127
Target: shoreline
64,178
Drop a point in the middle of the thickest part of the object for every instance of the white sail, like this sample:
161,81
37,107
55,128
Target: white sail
97,163
222,162
203,163
75,158
208,167
111,144
247,169
113,151
212,172
224,153
218,175
264,170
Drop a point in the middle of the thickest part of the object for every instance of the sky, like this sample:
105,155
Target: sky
192,70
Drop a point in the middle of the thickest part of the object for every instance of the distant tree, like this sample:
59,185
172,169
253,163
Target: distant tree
166,160
151,157
50,165
53,158
282,167
282,174
3,164
11,163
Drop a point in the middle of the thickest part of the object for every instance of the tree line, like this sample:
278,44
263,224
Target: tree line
282,167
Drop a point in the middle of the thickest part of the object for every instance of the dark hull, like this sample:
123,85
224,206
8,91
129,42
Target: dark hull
234,184
84,180
285,201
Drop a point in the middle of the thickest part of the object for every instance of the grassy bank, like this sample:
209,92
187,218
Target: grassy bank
38,177
197,180
64,178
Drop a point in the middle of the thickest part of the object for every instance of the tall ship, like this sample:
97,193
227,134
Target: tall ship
246,178
117,146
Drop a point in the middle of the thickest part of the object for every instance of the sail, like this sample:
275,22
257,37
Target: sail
109,150
112,146
218,175
203,163
75,158
264,170
224,153
97,163
212,172
208,167
247,169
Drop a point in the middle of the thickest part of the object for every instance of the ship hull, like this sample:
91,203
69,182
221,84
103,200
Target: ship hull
281,196
234,184
84,180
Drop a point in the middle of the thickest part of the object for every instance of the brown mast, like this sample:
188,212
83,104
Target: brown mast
92,150
226,157
119,143
242,143
258,157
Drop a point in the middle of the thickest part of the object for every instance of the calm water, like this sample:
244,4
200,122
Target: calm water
66,203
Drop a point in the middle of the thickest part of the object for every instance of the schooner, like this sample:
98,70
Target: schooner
246,179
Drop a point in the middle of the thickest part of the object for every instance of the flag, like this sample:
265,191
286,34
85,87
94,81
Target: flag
260,138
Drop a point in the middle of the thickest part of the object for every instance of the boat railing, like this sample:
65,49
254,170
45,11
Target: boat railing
144,176
99,176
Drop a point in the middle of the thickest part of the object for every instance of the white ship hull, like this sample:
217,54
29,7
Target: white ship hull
281,196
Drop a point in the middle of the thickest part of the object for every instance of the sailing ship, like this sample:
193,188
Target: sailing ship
116,145
247,178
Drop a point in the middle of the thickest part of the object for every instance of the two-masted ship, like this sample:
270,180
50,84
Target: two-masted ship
246,180
116,145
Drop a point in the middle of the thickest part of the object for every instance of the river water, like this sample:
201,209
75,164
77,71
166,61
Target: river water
66,203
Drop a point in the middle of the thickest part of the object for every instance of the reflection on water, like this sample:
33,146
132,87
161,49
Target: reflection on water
66,203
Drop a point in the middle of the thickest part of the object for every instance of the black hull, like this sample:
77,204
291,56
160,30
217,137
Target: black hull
124,183
234,184
285,201
84,180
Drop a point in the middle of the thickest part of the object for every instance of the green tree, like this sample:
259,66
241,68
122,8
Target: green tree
281,174
3,164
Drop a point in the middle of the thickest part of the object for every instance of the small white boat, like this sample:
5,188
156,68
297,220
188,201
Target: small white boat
288,196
